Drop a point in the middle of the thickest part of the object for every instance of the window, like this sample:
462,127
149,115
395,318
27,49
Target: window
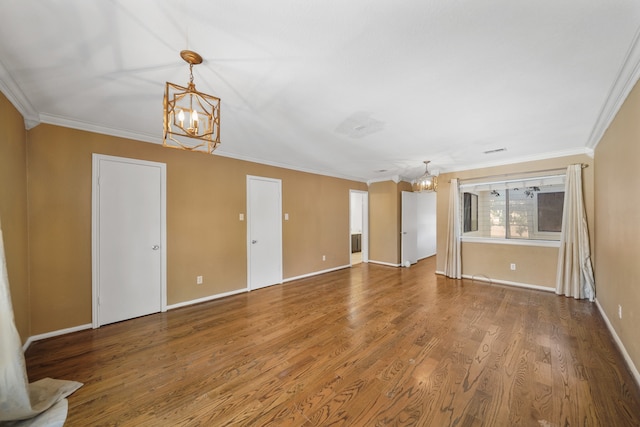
470,212
518,209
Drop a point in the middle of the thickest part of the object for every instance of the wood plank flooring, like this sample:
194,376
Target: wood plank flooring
366,346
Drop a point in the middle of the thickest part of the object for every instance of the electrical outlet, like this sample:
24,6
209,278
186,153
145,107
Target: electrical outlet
513,266
324,257
619,311
198,280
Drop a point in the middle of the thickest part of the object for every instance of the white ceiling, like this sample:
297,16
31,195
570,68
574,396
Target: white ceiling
345,88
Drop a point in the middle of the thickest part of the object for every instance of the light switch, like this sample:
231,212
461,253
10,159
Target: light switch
286,217
241,217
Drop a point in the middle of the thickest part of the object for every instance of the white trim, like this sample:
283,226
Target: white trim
486,279
51,334
95,253
103,130
315,273
364,243
394,178
205,299
16,96
522,159
157,139
428,256
626,79
384,263
251,178
623,350
466,184
508,283
517,242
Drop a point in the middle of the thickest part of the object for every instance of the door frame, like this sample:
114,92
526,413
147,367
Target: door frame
406,197
95,235
365,225
278,225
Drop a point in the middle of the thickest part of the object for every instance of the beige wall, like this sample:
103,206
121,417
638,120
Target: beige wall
534,265
13,210
385,203
617,209
205,195
383,217
492,261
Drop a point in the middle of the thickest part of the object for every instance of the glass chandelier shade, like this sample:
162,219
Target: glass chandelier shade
426,182
191,118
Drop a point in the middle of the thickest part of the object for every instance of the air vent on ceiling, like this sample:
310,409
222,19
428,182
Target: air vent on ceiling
497,150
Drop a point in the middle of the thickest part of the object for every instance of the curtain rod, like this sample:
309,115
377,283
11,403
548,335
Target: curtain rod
584,165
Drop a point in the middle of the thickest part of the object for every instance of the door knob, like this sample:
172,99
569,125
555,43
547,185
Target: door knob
253,242
155,247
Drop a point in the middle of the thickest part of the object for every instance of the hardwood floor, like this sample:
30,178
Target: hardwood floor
366,346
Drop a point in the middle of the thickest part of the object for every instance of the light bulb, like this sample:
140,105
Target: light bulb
194,119
181,118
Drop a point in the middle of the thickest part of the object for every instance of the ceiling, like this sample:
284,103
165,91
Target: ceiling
360,89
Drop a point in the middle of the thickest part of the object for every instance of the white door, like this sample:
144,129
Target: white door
129,254
264,231
409,228
426,224
365,227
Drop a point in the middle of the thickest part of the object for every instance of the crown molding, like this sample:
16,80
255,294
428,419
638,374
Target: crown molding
11,90
287,166
157,139
104,130
625,81
523,159
394,178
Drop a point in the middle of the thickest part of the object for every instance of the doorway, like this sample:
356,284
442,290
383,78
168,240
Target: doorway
359,226
128,238
264,232
418,226
409,229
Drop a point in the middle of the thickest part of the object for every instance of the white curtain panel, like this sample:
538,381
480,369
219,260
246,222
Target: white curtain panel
20,400
574,277
452,260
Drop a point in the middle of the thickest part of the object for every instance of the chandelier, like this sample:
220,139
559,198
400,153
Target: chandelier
426,182
191,118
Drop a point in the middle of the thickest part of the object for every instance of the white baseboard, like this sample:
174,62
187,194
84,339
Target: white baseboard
205,299
427,256
39,337
315,273
616,338
384,263
503,282
508,283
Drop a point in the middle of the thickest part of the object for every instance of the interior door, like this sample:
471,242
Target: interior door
128,239
426,210
264,231
409,215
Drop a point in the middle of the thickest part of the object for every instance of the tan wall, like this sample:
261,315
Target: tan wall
205,195
534,265
13,210
617,208
493,261
385,204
